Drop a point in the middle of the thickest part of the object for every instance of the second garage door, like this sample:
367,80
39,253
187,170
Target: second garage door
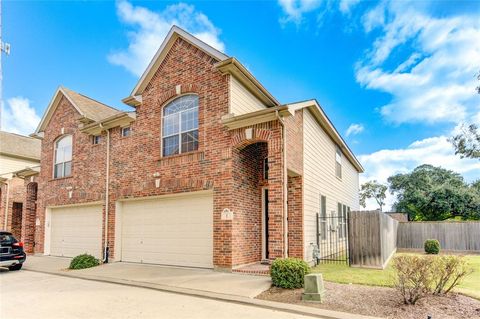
76,230
170,231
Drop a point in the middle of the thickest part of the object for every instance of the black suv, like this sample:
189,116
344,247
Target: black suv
11,251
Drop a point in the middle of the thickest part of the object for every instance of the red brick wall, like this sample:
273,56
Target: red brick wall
295,216
16,194
17,209
87,181
294,128
30,214
135,160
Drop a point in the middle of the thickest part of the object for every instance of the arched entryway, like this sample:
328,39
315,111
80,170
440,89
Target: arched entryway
250,194
258,194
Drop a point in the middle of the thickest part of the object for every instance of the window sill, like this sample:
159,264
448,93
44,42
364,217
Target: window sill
181,158
60,178
179,155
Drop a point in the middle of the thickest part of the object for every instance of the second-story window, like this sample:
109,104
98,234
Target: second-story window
338,162
96,139
126,131
63,157
180,125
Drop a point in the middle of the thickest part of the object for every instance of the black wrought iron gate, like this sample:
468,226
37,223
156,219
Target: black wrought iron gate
332,238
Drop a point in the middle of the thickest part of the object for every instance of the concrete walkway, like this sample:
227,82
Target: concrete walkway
224,287
179,277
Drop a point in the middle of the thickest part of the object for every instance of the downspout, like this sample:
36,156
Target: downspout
107,182
5,220
285,186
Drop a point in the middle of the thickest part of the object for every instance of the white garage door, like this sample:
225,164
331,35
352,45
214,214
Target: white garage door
170,231
76,230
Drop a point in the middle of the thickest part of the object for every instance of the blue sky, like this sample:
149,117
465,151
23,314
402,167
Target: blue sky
396,78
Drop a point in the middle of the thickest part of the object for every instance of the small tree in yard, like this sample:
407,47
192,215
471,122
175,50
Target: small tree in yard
375,190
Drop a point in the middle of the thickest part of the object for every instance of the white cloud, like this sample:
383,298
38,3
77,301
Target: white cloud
354,129
150,29
436,82
436,151
295,9
347,5
18,116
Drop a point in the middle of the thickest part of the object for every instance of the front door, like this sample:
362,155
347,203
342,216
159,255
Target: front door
265,254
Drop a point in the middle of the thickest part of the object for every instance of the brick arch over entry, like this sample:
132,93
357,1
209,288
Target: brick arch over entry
239,139
271,134
173,92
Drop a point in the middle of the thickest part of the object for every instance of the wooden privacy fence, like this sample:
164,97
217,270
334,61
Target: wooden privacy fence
463,236
372,237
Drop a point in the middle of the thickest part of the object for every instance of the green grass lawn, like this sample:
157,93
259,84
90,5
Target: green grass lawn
374,277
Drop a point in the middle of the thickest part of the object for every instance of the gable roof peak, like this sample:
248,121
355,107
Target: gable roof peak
172,35
88,108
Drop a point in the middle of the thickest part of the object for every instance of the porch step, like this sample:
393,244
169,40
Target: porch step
257,269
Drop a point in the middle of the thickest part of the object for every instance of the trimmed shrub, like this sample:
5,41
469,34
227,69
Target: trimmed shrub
417,276
83,261
432,246
413,277
448,272
289,272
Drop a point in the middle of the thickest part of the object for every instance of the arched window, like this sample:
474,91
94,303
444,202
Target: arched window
180,125
63,157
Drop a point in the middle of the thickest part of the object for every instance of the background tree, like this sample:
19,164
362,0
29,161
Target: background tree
375,190
434,193
467,143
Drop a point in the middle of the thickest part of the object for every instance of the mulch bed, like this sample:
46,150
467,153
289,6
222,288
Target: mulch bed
381,302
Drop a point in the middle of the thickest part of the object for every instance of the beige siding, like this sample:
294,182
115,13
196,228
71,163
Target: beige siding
241,100
10,164
319,178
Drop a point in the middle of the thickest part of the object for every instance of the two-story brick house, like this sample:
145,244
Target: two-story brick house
209,170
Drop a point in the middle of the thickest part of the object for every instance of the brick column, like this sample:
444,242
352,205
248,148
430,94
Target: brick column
295,217
29,218
275,195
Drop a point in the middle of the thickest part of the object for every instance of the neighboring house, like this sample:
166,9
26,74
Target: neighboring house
210,170
401,217
19,158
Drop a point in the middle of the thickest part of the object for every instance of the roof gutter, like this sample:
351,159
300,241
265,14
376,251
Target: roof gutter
257,117
120,119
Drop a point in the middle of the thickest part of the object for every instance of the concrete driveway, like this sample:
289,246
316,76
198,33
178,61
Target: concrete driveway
175,277
26,294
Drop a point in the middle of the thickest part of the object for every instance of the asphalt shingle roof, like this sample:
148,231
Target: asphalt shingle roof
91,108
19,145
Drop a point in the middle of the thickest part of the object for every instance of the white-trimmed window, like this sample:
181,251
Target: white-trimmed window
338,162
96,139
63,157
323,217
180,125
126,131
